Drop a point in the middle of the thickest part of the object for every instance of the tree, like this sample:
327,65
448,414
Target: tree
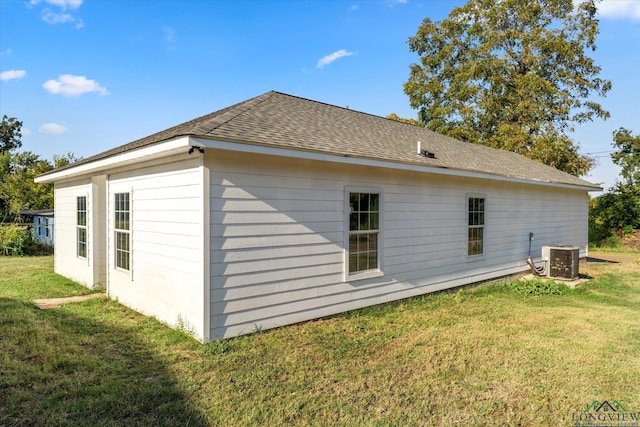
627,155
397,118
618,210
614,212
18,188
510,74
10,134
18,191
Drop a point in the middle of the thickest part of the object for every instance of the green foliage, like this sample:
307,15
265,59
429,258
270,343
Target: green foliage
614,212
13,240
397,118
538,287
217,347
10,134
17,240
512,75
627,155
18,191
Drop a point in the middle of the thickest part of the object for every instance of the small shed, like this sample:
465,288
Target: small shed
43,223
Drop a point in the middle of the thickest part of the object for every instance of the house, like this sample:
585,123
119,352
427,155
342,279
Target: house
280,209
43,223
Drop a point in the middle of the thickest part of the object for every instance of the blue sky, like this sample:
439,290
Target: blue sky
86,76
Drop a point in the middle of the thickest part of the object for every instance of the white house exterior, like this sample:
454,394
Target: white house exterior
279,209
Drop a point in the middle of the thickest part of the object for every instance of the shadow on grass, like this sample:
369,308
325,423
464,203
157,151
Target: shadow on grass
63,367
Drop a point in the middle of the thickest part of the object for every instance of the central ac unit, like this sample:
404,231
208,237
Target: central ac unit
562,261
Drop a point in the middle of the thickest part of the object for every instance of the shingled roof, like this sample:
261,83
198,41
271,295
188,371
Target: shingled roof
279,120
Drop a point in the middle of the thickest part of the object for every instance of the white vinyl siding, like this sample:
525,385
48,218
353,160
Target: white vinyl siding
165,234
69,261
278,236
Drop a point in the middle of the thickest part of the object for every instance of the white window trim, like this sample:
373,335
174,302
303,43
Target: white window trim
367,274
119,230
467,226
83,227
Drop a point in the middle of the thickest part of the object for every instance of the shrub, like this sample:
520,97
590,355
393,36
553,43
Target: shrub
13,240
537,287
17,240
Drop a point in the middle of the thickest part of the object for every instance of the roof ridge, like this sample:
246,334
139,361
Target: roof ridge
244,106
345,108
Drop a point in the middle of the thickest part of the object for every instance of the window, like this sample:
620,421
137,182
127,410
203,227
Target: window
122,233
81,226
476,226
364,218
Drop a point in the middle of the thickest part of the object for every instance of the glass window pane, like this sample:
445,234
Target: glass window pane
353,222
353,261
353,243
364,216
353,201
364,202
373,242
374,221
373,260
363,261
374,202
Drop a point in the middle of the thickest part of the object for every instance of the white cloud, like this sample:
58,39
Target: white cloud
328,59
169,34
70,85
25,131
56,18
12,75
6,52
620,9
54,128
63,4
60,12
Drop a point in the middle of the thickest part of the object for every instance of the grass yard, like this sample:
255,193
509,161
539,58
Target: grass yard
492,355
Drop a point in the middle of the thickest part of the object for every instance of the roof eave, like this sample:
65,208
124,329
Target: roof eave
257,148
150,152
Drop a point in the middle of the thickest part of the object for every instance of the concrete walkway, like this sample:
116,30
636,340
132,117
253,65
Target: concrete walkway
45,304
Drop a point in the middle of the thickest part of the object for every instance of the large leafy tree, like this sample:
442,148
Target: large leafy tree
627,155
17,187
511,74
10,134
619,208
18,191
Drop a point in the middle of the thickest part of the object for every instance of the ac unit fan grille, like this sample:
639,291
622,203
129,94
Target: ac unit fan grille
564,262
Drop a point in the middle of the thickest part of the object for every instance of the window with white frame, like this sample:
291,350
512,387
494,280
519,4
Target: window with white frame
122,217
81,226
475,214
364,232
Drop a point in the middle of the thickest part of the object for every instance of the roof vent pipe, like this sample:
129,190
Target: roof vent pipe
425,153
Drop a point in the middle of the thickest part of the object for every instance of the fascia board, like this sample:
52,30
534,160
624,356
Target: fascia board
311,155
145,153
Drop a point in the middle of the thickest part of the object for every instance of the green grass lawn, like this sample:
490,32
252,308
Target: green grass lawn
492,355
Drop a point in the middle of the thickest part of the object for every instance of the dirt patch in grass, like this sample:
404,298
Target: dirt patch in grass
606,262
